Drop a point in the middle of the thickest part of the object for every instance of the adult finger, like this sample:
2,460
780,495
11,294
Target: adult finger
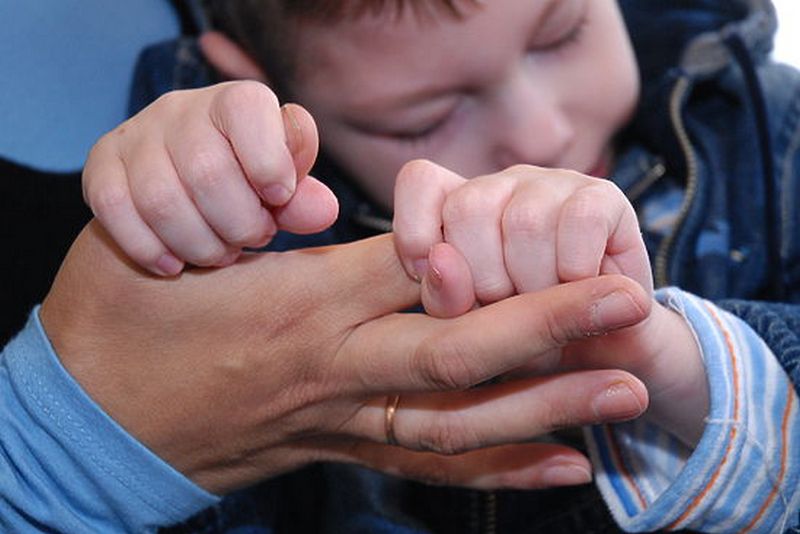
518,466
248,114
456,354
509,412
419,195
211,174
110,200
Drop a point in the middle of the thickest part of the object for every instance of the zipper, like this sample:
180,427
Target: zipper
662,257
654,173
490,509
482,518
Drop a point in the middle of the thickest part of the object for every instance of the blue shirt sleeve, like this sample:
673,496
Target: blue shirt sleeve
744,474
66,465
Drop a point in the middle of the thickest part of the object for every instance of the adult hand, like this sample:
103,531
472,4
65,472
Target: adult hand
239,374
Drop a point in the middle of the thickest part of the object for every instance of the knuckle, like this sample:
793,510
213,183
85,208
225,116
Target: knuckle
246,96
266,170
606,187
467,202
105,144
524,218
414,172
525,170
599,190
206,171
108,200
170,100
590,202
556,329
157,200
444,365
447,436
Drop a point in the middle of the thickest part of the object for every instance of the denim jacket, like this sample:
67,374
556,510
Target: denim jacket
717,131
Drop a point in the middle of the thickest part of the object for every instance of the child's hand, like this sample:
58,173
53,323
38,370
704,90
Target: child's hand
525,229
520,230
200,174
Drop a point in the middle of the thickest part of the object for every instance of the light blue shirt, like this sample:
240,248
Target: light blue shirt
67,69
65,465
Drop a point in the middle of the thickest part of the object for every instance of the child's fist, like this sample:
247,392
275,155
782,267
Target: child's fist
200,174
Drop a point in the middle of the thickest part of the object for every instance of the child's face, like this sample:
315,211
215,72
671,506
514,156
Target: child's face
543,82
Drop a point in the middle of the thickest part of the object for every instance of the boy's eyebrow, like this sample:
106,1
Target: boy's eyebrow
423,94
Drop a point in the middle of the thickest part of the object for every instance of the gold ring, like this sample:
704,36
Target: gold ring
392,401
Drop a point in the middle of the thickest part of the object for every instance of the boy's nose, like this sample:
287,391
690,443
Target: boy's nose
532,127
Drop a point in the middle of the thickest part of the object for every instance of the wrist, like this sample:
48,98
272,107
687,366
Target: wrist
679,398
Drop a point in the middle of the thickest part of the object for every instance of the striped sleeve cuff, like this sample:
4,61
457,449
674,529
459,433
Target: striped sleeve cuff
744,473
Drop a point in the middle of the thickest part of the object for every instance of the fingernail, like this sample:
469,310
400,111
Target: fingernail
617,403
615,310
566,475
294,135
420,268
434,277
276,194
169,265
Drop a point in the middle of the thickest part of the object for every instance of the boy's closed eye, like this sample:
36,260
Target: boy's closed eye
420,125
426,117
562,27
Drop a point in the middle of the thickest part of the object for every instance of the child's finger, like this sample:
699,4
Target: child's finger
249,116
419,195
598,233
447,289
472,216
313,208
626,252
164,205
302,138
528,226
111,202
211,174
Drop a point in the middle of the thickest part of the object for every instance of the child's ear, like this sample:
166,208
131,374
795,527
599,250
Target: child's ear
229,59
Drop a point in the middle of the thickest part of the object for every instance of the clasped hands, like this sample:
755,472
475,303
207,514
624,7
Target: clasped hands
238,374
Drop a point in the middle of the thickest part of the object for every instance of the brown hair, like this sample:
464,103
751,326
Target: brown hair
264,27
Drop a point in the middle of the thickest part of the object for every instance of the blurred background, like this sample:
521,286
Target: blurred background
787,43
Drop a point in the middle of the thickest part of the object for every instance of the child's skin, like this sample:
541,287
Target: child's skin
200,174
192,177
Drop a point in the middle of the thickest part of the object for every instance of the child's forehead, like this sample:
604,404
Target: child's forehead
439,52
330,11
413,24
